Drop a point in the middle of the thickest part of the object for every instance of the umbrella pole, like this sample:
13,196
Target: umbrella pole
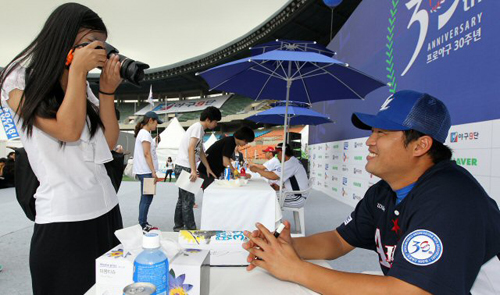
281,198
288,86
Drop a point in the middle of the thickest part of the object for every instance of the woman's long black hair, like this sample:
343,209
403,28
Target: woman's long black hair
45,61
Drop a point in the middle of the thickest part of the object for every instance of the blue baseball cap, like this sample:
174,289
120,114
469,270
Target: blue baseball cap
407,110
153,115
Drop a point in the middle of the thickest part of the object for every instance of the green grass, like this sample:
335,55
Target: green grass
126,178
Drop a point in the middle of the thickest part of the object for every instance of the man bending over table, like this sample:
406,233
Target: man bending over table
219,154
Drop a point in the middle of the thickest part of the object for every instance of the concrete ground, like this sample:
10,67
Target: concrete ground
322,213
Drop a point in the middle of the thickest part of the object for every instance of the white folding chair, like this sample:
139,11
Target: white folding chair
298,212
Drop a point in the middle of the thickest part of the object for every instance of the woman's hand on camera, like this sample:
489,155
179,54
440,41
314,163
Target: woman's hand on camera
88,57
110,76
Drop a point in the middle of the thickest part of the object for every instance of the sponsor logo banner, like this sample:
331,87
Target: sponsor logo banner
495,189
185,105
495,130
475,135
476,161
359,145
495,160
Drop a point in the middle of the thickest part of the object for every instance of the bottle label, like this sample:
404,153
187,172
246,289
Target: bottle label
156,274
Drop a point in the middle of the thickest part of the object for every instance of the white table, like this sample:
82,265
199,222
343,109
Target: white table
236,280
239,208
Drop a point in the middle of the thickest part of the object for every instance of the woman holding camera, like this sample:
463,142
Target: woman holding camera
68,134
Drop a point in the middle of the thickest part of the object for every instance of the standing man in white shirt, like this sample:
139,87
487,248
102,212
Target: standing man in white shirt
190,152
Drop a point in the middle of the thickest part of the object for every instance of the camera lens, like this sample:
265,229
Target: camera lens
131,70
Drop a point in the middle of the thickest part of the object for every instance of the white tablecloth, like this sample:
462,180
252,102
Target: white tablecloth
239,208
237,280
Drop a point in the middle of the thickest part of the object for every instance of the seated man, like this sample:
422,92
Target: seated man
272,162
434,228
294,177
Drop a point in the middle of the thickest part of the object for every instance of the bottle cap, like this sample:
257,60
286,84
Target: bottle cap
150,241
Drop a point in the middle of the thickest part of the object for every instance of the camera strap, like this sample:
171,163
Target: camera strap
69,57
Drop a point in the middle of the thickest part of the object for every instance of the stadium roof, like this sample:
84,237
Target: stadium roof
299,20
295,20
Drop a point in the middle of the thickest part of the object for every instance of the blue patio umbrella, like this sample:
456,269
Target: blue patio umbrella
291,45
303,76
296,116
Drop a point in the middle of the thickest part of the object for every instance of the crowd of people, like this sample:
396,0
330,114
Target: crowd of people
69,134
145,164
209,164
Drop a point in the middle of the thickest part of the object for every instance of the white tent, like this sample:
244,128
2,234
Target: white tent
211,140
169,145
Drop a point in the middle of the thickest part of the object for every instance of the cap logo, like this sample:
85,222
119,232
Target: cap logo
385,105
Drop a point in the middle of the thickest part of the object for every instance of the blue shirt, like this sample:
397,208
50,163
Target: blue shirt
402,193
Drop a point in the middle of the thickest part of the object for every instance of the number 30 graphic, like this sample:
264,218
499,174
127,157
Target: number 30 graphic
422,17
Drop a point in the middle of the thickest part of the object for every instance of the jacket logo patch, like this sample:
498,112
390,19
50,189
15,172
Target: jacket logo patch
422,247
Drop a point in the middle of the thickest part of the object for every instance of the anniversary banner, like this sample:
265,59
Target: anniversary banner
447,48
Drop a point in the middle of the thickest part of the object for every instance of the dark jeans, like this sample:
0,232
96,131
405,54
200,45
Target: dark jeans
169,174
184,215
145,201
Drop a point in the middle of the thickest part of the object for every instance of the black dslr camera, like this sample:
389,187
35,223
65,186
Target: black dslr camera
131,70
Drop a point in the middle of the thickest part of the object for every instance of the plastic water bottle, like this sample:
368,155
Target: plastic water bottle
227,173
151,265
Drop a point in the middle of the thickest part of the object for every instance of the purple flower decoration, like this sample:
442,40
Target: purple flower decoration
176,285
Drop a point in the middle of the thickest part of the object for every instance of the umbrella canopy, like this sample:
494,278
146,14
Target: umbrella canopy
300,75
291,45
309,76
296,116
